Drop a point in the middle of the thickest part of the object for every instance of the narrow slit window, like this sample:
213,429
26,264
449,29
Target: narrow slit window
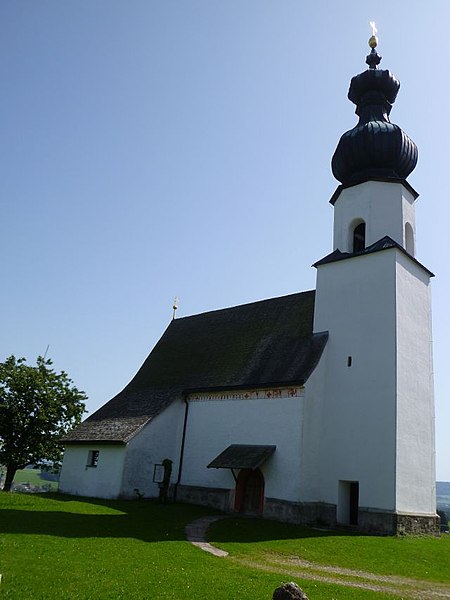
359,237
349,361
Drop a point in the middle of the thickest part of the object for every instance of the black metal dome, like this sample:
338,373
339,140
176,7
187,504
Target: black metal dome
375,147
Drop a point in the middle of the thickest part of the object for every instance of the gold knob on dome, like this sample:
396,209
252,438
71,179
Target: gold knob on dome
373,41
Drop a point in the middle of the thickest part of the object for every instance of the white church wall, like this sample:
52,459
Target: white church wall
384,207
355,303
313,432
215,424
415,418
100,481
158,440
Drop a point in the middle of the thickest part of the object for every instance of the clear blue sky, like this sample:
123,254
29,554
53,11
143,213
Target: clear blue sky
159,148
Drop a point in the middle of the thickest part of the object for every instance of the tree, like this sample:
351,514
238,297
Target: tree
444,520
37,407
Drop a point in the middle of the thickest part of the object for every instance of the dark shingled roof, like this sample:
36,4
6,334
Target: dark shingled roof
253,345
384,244
241,456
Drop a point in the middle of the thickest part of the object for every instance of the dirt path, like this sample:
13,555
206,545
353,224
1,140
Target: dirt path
295,566
196,534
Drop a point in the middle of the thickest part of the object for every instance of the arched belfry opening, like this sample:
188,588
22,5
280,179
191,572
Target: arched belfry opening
409,239
359,237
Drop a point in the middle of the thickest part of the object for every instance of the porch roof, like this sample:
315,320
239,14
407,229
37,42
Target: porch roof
242,456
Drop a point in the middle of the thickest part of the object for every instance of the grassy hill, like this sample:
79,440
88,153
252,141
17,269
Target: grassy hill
30,480
443,495
61,547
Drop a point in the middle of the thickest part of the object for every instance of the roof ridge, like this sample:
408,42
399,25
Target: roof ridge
253,344
245,304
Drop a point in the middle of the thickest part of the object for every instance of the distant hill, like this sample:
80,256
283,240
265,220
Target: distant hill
443,495
443,488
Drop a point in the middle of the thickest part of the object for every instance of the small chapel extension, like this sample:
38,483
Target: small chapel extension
316,407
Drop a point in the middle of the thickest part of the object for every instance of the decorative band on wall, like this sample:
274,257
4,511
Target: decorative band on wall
262,394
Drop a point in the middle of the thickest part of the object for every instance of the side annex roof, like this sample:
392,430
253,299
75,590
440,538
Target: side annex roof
261,344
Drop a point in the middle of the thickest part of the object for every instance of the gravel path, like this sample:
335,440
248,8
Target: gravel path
295,566
196,534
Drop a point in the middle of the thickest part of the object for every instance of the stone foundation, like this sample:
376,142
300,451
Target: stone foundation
417,524
219,498
314,514
300,513
388,523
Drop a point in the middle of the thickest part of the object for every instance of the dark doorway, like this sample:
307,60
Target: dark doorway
348,502
249,497
354,503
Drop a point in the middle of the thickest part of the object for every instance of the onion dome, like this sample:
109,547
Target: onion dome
375,148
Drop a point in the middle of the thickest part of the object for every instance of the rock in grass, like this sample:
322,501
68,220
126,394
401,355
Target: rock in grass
289,591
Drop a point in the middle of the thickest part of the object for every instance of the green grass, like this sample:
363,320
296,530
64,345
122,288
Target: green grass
419,557
56,546
33,476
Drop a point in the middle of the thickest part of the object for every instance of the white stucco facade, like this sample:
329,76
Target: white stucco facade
125,470
215,424
377,420
100,481
158,440
415,458
355,303
313,432
385,208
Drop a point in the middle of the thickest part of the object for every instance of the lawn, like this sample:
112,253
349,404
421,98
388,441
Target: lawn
420,557
33,477
404,566
56,546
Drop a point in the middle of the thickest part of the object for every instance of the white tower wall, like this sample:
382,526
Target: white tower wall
377,420
415,459
385,208
355,303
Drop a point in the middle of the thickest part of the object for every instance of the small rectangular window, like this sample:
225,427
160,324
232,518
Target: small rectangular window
93,458
349,361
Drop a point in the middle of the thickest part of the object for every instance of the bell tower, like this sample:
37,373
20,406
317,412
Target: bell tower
372,162
375,463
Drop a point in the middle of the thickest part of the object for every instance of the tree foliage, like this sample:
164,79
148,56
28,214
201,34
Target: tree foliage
444,520
37,407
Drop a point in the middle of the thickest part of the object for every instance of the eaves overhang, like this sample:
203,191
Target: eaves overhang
247,386
343,187
386,243
94,441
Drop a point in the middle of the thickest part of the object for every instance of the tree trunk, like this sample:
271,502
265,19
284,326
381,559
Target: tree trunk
10,472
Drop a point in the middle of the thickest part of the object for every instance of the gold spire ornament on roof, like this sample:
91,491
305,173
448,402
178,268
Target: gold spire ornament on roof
373,59
373,40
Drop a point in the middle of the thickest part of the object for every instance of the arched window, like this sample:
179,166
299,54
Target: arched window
409,239
359,237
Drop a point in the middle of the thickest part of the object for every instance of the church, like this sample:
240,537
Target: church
312,408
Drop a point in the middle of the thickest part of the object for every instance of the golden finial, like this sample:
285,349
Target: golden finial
175,306
373,40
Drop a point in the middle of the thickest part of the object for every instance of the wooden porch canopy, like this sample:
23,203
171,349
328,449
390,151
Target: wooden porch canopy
242,456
